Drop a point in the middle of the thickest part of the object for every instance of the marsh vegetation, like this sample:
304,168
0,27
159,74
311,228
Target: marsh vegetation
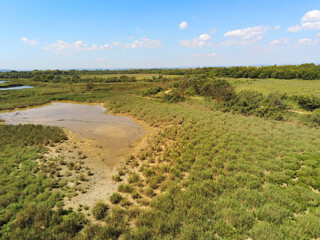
228,158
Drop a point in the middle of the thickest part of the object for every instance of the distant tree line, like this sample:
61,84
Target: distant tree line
78,79
307,71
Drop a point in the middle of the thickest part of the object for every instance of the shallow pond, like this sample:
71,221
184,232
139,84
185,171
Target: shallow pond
2,82
15,88
90,121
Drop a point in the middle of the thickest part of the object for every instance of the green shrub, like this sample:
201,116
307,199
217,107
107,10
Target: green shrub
308,102
126,188
152,91
133,178
99,210
116,198
173,96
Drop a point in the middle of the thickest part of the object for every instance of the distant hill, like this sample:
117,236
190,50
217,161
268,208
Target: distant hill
5,70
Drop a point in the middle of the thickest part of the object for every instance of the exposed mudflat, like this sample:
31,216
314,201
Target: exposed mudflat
88,120
101,162
97,145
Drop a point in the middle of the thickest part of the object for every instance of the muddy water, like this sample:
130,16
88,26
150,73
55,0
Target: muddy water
90,121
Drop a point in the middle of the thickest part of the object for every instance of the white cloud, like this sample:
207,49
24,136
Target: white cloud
62,47
204,40
277,27
205,55
318,34
295,28
183,25
244,36
280,41
27,41
144,43
247,33
311,20
307,41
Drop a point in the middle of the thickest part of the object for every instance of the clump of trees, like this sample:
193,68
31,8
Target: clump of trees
244,102
254,103
309,103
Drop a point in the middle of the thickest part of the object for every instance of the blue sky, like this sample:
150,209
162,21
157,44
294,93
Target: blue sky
64,34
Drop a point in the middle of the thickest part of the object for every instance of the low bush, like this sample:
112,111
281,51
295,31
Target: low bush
152,91
115,198
99,210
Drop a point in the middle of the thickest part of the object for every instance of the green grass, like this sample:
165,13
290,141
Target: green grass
266,86
224,175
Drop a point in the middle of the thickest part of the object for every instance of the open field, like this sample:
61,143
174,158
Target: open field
266,86
203,174
137,76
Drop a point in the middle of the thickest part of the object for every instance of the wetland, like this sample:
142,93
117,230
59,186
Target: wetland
107,157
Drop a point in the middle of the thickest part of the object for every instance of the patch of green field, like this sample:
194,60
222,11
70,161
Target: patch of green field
266,86
138,76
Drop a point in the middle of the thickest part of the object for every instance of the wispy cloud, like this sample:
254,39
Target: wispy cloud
280,41
205,55
183,25
144,43
307,41
244,36
247,33
204,40
295,28
62,47
116,44
31,42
